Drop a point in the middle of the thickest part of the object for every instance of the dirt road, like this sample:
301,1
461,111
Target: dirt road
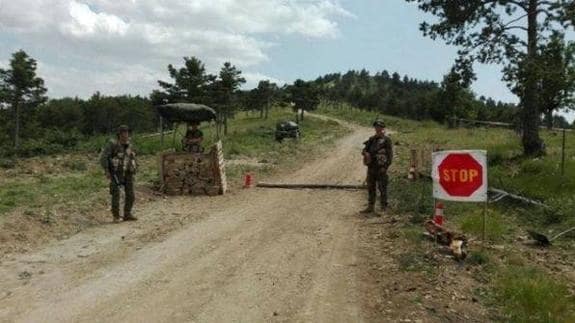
250,256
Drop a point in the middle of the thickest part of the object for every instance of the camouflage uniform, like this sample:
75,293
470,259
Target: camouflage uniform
193,147
119,161
380,150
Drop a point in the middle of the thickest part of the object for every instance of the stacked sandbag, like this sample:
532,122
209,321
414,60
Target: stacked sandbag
193,173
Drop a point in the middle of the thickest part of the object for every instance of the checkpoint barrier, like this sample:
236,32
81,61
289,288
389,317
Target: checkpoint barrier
184,173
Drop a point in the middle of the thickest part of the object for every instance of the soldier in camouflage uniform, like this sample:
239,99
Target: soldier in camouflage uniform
192,141
377,156
119,162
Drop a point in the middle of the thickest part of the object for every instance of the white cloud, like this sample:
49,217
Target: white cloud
131,79
103,43
252,79
86,22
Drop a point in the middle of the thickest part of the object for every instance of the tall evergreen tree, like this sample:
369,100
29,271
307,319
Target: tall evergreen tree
305,97
263,97
557,77
489,31
229,82
21,89
190,83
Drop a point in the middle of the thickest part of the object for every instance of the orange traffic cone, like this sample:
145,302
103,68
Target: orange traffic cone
438,217
248,179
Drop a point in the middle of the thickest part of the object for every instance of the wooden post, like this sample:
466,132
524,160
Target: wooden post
423,160
174,136
563,155
413,170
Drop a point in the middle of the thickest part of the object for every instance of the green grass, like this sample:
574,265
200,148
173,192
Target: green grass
496,226
43,191
528,295
80,179
478,258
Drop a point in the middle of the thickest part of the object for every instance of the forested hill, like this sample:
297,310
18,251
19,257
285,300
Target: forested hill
406,97
33,124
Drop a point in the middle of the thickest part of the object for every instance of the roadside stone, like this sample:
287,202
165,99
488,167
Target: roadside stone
24,275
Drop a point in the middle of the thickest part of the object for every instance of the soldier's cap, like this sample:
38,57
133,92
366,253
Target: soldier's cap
122,128
379,124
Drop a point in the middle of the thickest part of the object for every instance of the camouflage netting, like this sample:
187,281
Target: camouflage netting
186,112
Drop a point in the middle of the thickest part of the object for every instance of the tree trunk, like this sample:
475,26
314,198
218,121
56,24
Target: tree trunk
17,125
532,145
225,124
267,109
549,113
262,113
302,111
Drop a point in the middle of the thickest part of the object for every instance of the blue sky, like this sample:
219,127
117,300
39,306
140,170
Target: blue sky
382,35
123,47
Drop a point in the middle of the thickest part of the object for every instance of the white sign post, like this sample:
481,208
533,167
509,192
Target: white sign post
461,175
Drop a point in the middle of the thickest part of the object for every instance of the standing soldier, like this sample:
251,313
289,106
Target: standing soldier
119,162
377,156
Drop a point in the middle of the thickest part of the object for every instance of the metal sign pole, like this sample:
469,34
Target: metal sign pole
484,221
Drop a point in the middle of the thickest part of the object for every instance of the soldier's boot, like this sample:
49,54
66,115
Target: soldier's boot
369,209
115,205
130,217
129,202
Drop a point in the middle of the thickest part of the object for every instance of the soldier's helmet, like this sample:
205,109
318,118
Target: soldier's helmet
379,124
122,128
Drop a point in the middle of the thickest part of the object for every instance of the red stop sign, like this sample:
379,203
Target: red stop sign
460,175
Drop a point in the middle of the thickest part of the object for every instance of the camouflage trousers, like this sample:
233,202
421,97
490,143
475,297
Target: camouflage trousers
130,197
377,180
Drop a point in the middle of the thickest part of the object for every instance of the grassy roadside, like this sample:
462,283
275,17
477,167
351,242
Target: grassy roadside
53,197
516,282
78,178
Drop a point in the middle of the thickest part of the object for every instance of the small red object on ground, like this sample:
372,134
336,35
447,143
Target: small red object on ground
438,217
248,179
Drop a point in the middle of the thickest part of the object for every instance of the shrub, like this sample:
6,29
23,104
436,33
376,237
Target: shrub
478,258
8,163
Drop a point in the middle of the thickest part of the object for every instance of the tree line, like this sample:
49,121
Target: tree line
32,124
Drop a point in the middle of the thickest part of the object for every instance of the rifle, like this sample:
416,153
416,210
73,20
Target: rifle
115,179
